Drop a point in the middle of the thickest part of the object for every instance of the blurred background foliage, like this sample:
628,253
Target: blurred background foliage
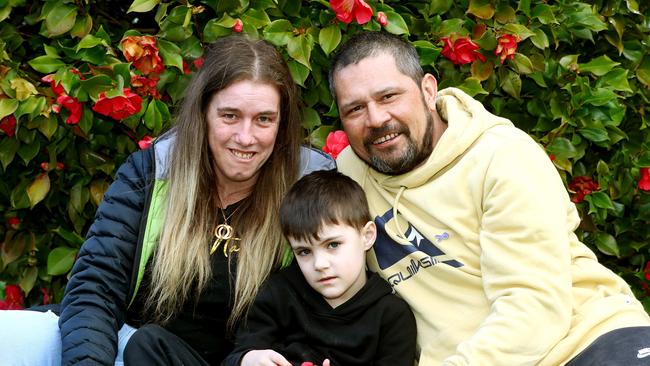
84,83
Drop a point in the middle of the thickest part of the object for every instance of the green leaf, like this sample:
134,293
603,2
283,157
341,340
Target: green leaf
298,71
310,119
329,38
46,64
598,66
79,196
82,26
213,31
472,86
544,13
279,32
61,19
90,41
511,84
299,48
7,107
28,279
523,63
8,149
607,244
540,40
481,9
562,147
594,134
171,54
617,80
600,96
70,237
60,260
256,18
152,117
29,150
396,24
519,30
96,84
47,126
142,6
38,189
318,137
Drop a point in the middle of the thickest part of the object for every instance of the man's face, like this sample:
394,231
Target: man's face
384,115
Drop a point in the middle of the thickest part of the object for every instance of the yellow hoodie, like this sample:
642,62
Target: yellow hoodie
479,241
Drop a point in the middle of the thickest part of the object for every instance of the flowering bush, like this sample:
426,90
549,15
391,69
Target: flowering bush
85,83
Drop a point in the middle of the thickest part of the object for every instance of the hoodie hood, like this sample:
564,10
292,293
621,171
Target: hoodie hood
466,120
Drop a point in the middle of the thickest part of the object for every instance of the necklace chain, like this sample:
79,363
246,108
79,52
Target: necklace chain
226,234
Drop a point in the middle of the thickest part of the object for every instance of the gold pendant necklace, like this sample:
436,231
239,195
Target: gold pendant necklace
225,233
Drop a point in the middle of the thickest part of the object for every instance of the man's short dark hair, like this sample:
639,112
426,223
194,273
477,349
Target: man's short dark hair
324,197
368,44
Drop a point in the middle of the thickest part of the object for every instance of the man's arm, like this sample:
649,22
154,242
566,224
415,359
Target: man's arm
525,259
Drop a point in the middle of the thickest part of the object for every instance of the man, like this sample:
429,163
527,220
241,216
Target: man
475,228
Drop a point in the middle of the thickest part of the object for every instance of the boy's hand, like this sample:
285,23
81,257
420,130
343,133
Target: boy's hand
325,363
264,357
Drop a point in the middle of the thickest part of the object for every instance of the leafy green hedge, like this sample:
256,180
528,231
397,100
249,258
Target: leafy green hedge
85,83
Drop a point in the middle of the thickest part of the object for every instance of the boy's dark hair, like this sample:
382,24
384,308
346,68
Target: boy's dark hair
324,197
368,44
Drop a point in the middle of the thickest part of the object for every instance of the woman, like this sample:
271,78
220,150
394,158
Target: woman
189,229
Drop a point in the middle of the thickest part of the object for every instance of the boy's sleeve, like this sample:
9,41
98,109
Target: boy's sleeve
397,342
261,328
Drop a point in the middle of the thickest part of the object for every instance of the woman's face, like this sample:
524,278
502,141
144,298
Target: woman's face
243,121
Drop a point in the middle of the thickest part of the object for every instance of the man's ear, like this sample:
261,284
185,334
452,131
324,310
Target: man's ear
369,234
429,88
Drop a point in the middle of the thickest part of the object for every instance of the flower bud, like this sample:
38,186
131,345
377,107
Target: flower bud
382,19
239,26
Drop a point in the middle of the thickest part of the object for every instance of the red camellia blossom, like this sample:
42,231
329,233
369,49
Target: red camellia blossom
382,19
8,125
73,106
118,107
346,10
462,51
60,166
46,295
145,86
198,62
506,47
57,88
14,299
145,142
335,143
644,181
13,222
238,27
582,186
143,53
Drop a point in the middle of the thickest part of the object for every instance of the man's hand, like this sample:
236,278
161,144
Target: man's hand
264,357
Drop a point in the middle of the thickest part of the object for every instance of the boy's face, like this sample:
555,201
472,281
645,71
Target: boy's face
335,265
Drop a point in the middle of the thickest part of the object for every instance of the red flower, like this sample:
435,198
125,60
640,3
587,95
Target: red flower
57,88
644,181
143,53
8,125
506,47
60,166
382,19
582,186
146,85
73,106
46,295
346,10
14,299
13,222
462,51
118,107
335,143
186,68
198,62
239,26
145,142
45,166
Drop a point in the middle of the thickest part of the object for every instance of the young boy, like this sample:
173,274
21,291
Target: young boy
325,308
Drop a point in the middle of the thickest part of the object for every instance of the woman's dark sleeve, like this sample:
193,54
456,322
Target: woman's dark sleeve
95,300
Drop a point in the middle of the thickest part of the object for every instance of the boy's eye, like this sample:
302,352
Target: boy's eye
333,244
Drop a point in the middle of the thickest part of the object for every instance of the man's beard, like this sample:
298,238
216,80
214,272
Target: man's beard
412,155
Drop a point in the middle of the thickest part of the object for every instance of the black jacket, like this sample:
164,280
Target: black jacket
374,327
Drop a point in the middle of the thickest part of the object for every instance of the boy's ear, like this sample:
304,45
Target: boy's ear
369,234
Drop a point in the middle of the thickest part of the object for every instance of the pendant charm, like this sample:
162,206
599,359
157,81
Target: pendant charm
224,232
